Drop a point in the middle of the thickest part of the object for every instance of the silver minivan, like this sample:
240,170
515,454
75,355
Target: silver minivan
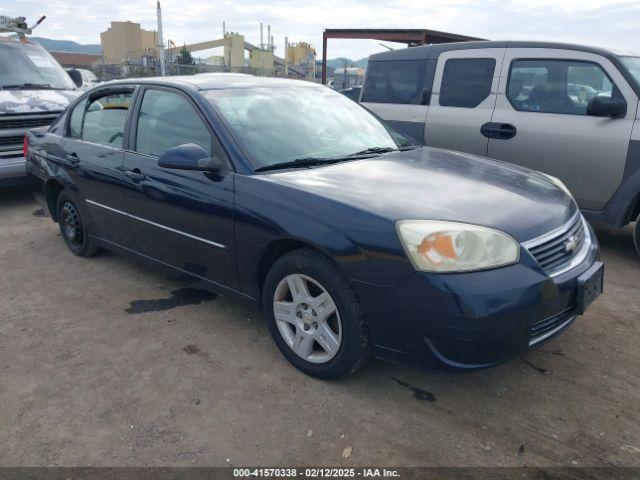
567,110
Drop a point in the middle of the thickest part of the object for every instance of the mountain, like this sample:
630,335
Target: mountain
67,46
341,62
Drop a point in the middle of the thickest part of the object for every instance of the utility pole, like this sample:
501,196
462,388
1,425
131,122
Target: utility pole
286,60
160,42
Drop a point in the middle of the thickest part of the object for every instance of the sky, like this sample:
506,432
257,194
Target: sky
610,24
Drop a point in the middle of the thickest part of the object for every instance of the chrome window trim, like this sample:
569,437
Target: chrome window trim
164,227
580,255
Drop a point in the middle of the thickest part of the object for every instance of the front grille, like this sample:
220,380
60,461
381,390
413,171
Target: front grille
548,327
17,140
552,251
13,128
27,121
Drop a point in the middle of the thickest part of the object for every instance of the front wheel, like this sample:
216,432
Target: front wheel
314,315
73,228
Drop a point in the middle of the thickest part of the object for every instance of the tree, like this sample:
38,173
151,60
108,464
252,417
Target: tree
185,57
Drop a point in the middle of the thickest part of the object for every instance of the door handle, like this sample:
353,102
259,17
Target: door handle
72,159
135,175
500,131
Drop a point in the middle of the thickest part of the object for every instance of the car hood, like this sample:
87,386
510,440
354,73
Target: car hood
436,184
35,101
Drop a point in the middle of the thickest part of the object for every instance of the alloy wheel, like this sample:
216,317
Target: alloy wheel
307,318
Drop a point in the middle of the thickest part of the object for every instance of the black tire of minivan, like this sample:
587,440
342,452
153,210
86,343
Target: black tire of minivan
74,228
354,350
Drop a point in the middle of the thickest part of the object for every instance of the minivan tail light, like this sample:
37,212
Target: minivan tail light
25,146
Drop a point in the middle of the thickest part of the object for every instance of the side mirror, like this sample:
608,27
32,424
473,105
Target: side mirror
189,156
76,76
607,107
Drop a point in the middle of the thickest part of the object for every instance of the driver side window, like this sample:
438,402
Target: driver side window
557,86
101,120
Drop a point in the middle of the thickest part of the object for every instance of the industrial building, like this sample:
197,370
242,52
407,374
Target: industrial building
126,41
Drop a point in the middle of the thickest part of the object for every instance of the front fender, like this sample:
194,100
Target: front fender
364,246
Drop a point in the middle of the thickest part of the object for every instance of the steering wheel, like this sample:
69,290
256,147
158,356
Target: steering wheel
114,136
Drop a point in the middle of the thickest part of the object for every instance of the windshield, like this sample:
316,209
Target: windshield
283,124
24,65
633,65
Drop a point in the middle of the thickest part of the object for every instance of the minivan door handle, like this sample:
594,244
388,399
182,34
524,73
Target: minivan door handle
500,131
135,175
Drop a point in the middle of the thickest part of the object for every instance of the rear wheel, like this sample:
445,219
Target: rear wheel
73,228
314,316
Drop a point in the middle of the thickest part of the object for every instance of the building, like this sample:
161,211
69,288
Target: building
76,60
303,55
127,42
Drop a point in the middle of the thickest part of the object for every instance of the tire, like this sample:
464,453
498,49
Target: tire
636,235
73,228
305,316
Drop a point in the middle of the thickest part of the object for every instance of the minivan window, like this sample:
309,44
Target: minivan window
399,81
167,120
466,82
557,86
105,118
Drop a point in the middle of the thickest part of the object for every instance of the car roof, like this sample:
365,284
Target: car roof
433,51
209,81
11,40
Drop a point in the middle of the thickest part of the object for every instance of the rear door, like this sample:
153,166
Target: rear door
181,218
463,99
398,92
92,154
544,95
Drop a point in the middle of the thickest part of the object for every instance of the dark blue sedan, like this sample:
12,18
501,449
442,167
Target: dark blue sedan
355,242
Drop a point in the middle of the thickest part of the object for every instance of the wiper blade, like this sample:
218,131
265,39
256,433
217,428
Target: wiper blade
374,150
298,162
313,161
21,86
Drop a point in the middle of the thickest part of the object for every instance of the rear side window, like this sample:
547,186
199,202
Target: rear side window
466,82
75,120
104,119
395,82
167,120
557,86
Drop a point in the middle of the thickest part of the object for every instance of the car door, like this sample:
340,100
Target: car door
91,155
398,92
181,218
543,95
463,98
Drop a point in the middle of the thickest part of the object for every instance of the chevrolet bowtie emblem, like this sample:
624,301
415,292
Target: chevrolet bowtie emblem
571,244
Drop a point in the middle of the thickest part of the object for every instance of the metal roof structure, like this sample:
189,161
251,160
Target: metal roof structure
411,37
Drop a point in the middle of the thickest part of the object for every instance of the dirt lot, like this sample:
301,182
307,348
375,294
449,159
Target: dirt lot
107,362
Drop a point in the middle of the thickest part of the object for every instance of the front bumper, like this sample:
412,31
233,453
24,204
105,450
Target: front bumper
12,171
471,320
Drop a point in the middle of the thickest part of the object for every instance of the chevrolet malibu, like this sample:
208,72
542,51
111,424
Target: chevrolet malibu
353,241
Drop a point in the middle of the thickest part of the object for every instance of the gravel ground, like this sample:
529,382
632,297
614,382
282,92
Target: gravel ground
107,362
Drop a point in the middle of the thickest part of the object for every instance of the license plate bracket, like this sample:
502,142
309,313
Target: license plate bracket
590,286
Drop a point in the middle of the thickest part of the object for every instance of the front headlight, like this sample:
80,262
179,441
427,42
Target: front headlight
435,246
558,183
